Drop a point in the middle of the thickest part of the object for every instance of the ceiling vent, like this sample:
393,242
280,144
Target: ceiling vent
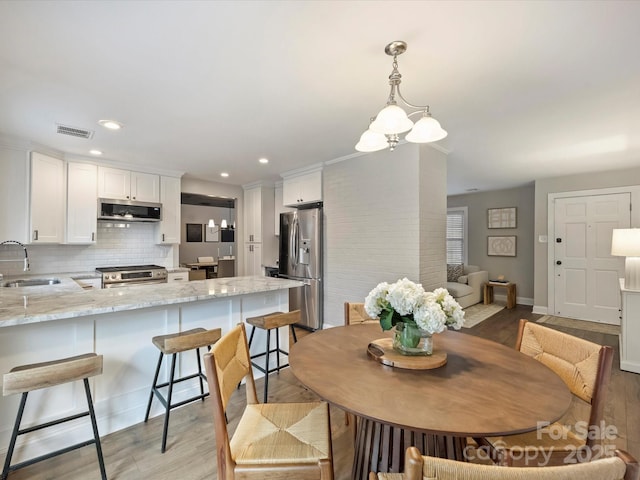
73,131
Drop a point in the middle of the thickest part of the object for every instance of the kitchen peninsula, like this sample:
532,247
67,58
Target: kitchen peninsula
55,321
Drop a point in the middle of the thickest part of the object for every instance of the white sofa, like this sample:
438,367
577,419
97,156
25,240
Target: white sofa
468,289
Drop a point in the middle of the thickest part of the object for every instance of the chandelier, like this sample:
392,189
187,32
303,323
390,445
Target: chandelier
385,128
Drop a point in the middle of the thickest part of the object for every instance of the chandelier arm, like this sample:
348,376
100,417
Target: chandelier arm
418,112
421,107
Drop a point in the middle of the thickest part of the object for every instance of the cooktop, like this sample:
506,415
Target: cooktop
129,268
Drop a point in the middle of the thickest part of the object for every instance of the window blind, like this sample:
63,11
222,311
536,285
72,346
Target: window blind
455,237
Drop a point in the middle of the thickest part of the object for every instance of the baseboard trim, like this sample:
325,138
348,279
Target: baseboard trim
540,310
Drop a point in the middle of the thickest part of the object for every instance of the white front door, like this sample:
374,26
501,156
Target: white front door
586,275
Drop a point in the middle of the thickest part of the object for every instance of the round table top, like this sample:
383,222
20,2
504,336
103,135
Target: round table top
485,388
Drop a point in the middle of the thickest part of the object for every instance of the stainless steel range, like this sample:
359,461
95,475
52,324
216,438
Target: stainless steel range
115,277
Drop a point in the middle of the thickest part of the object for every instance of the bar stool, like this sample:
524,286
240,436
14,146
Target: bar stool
173,344
268,322
36,376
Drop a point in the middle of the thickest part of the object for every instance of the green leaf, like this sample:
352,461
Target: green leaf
386,319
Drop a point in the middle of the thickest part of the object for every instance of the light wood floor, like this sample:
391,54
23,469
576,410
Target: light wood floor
134,453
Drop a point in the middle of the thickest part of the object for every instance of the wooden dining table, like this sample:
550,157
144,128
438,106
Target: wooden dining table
484,389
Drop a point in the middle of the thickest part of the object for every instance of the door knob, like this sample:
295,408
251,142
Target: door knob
558,262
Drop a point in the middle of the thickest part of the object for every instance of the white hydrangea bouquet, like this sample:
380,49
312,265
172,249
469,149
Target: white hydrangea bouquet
415,313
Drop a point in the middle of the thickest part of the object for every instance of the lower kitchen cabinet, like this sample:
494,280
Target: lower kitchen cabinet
253,259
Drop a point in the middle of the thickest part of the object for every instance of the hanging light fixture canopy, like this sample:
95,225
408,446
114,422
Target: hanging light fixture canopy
385,128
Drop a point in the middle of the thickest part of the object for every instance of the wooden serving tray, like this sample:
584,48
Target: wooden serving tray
382,351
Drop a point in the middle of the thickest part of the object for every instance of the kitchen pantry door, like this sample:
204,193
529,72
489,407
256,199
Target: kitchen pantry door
585,273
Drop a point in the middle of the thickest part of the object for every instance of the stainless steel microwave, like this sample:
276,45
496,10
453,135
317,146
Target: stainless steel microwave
128,211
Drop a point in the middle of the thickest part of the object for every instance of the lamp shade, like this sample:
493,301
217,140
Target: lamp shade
211,223
223,223
426,130
391,119
371,142
625,242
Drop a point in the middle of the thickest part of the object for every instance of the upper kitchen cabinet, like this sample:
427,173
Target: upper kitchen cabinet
82,203
279,208
14,193
46,215
128,185
302,189
169,227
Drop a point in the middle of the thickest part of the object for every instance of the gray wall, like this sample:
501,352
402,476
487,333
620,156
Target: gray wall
587,181
518,269
204,187
190,251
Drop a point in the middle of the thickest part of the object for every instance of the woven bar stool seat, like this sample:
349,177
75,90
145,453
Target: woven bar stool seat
269,322
172,344
26,378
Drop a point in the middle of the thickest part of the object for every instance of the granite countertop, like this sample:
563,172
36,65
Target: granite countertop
67,299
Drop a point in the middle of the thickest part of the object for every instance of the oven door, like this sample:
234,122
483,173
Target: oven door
131,284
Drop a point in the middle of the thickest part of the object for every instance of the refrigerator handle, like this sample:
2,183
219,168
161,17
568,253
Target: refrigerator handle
292,251
297,241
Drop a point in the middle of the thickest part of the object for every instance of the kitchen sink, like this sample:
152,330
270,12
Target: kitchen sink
30,282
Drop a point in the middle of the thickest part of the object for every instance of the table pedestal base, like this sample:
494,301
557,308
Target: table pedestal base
381,448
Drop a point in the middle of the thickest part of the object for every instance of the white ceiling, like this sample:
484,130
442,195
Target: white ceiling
526,90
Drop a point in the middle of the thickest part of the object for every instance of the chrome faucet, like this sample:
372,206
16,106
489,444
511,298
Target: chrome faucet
26,254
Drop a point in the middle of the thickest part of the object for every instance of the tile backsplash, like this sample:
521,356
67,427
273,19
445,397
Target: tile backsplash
134,245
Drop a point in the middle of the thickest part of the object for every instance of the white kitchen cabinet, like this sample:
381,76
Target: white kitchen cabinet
279,208
14,192
178,276
168,231
302,189
253,214
259,233
82,203
253,259
128,185
47,199
629,329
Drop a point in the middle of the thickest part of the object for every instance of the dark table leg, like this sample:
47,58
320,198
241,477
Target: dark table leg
381,448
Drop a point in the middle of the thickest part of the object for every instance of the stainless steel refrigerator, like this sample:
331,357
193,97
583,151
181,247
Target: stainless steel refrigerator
300,258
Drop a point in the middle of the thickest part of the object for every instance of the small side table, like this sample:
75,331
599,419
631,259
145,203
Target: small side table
511,292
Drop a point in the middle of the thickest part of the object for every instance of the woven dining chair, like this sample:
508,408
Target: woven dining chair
354,313
418,467
585,367
272,440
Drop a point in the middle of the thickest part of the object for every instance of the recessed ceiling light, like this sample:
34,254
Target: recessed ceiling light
95,152
224,174
264,160
110,124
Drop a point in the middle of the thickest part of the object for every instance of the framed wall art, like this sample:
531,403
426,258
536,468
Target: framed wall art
194,232
501,217
504,246
211,234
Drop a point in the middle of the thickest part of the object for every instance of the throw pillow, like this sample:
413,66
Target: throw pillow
454,271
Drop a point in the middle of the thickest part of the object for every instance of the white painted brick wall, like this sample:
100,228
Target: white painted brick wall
375,227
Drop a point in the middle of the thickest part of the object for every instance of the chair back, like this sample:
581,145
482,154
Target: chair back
230,363
205,259
226,267
585,367
418,467
226,365
355,313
